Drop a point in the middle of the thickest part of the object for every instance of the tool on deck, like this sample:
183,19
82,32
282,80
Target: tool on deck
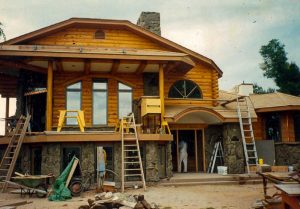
218,153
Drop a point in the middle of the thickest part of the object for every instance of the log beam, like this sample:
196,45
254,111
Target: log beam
49,96
18,64
87,67
161,91
115,66
140,69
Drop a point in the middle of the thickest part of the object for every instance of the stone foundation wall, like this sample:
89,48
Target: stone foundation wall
288,154
51,159
152,162
233,148
169,160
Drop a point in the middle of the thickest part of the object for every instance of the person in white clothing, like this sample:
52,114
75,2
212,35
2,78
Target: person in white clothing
183,155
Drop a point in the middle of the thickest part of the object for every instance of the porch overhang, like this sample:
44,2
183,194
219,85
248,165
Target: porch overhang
193,115
97,59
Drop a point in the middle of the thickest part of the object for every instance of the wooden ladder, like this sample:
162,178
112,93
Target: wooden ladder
12,151
247,132
132,166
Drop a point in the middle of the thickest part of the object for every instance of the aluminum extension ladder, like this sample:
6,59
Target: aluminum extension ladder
132,167
217,153
249,146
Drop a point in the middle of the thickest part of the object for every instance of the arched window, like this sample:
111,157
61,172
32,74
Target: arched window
125,99
185,89
73,102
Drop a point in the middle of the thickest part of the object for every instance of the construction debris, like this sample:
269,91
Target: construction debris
107,200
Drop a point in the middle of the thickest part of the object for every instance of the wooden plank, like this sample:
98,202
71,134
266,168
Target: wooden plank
87,67
18,64
75,163
115,66
14,203
25,187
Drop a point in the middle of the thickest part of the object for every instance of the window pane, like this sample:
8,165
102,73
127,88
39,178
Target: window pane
73,103
99,108
75,86
100,85
124,87
125,103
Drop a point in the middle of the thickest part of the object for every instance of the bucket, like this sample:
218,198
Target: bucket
290,168
222,170
261,161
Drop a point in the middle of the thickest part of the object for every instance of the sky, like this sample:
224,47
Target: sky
229,32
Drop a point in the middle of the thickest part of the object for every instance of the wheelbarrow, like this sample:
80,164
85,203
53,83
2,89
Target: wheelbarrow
32,184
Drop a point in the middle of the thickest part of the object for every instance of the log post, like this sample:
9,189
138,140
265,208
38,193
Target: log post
6,114
161,91
49,96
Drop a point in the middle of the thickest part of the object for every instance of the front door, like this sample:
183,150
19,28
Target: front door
187,151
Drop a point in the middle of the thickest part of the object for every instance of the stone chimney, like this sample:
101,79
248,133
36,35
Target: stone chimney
150,21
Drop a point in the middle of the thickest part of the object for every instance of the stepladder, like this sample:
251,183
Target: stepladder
11,154
217,155
245,121
132,166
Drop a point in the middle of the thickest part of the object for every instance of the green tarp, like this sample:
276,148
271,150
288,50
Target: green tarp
60,192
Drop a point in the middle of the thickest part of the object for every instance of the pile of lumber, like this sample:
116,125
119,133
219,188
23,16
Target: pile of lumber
109,200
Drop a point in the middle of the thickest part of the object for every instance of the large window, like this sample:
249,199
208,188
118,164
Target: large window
273,127
73,101
297,126
125,99
100,102
185,89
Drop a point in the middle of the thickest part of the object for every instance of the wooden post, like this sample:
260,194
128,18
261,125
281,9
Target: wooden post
196,150
161,91
6,114
49,96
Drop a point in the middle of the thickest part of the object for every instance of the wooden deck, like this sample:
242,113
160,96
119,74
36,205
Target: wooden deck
88,136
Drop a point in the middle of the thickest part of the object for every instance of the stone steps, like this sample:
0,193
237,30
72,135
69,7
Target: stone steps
249,182
212,180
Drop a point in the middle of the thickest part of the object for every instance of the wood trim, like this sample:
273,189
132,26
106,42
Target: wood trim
85,137
282,108
59,66
49,96
18,64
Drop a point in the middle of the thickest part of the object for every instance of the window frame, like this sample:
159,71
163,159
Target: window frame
66,96
124,91
185,97
100,90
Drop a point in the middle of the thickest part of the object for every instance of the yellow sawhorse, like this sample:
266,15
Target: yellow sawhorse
63,116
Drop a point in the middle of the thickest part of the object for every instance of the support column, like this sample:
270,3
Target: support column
49,96
6,114
161,91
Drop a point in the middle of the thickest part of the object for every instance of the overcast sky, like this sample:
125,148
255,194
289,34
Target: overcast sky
230,32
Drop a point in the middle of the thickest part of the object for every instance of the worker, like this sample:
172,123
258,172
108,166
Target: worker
183,156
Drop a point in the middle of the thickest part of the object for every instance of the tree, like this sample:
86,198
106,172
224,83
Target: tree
2,34
259,90
276,66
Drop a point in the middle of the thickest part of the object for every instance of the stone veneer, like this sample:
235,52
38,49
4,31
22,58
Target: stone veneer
288,154
233,148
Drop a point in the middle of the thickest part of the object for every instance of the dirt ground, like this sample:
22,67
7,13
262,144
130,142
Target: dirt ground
183,197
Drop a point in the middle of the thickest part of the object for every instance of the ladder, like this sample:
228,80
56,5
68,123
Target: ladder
247,132
12,151
132,167
217,153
